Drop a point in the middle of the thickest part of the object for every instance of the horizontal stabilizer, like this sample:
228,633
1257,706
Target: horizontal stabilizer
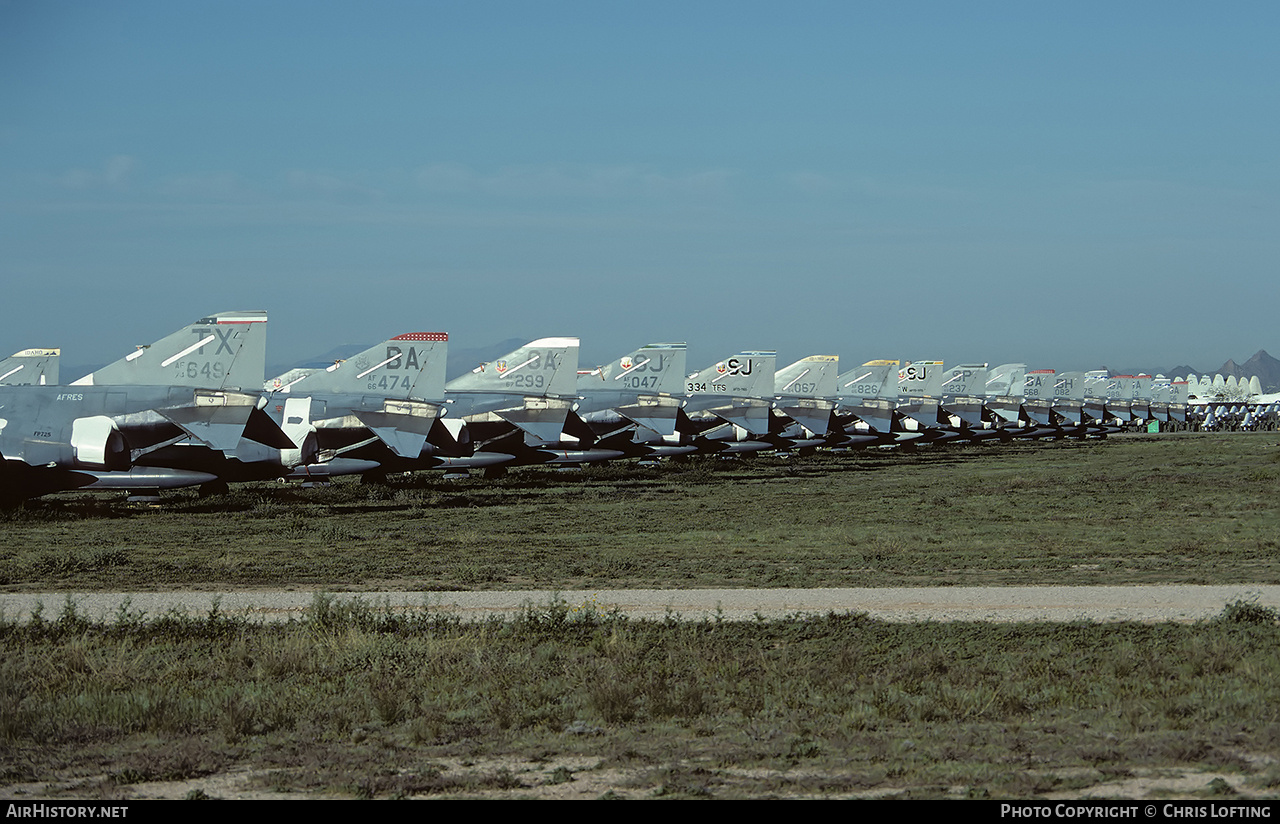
1071,411
402,442
543,425
967,410
217,427
923,410
660,418
216,419
754,418
403,434
876,414
1039,411
1008,409
816,418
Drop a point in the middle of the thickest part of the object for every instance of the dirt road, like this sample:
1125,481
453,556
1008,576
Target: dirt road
1050,603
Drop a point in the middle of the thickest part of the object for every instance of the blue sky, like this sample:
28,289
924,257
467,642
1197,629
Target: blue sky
1070,185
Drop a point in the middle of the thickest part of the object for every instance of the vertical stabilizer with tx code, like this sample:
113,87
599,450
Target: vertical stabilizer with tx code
223,351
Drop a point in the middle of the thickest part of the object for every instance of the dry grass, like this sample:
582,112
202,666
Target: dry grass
352,702
1146,509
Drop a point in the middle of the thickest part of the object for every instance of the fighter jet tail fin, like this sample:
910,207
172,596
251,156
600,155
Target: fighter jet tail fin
29,367
547,366
654,369
920,379
812,377
964,380
406,366
1006,380
745,375
223,351
869,381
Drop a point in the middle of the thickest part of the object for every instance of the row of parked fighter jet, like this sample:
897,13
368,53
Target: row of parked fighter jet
193,409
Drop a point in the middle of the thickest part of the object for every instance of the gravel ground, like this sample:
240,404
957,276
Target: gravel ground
1050,603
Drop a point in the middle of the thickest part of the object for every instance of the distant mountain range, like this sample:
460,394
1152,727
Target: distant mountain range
1261,364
